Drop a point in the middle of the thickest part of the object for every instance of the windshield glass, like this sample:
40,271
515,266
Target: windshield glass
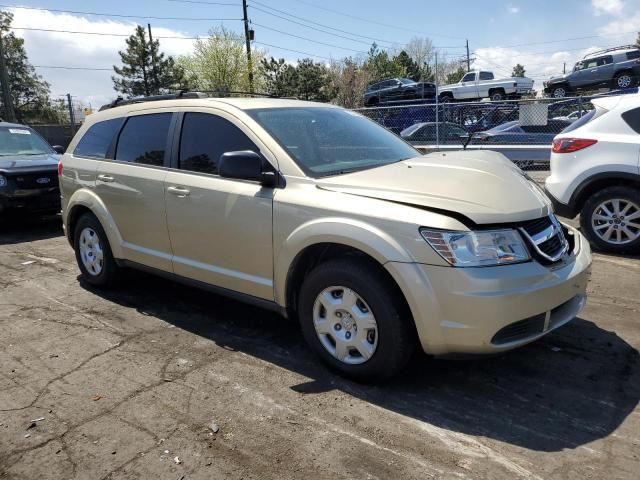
406,81
22,141
503,127
328,141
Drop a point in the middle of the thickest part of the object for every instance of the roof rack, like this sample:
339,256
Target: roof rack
612,49
184,94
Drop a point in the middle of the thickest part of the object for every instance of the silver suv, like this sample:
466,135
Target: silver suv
320,214
615,68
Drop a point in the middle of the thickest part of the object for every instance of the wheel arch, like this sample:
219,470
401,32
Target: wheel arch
85,201
599,181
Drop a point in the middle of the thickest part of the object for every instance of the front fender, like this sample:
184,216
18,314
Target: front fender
343,231
88,199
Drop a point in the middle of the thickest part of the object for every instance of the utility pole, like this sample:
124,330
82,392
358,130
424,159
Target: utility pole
9,112
468,59
248,44
72,117
437,107
564,67
154,72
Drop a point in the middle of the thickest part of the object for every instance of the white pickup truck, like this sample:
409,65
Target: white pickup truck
477,85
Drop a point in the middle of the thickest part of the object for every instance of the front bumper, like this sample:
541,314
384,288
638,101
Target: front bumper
466,310
40,200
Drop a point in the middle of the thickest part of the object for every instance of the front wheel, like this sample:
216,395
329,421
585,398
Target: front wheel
355,320
610,219
559,92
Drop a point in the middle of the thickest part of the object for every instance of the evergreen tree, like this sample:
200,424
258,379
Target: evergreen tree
312,80
518,71
407,67
279,77
455,76
145,70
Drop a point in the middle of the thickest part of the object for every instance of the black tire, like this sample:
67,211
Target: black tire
397,339
624,80
109,269
373,101
617,192
559,91
496,95
445,97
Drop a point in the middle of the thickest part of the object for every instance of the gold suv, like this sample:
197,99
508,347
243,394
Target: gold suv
319,213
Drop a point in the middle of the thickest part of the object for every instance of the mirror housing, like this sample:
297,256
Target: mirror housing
59,149
246,165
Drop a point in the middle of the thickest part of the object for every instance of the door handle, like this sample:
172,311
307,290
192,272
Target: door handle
105,178
178,191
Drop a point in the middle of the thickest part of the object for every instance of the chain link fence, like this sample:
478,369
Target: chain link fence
522,130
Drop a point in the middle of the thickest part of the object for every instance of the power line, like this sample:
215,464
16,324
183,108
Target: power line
375,22
308,39
206,3
97,33
561,40
294,51
120,15
320,24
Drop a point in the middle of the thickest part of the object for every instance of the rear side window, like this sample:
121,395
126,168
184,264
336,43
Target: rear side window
486,76
144,139
633,55
205,138
632,117
95,142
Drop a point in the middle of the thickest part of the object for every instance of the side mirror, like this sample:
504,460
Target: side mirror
245,165
59,149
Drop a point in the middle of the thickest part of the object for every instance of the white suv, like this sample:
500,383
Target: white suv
595,172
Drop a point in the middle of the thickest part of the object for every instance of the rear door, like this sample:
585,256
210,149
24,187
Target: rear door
131,185
220,228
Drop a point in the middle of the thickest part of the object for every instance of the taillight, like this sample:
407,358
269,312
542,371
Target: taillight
60,168
637,60
568,145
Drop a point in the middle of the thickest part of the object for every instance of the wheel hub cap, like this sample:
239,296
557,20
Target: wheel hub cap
91,251
617,221
345,325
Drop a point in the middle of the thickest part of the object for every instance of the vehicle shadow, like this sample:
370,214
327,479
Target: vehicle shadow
572,387
27,228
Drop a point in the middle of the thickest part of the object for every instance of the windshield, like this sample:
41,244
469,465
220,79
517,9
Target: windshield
406,81
22,141
327,141
503,127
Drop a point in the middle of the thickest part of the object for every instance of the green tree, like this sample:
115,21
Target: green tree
407,67
219,63
455,76
347,82
379,65
145,70
279,77
29,91
312,82
518,71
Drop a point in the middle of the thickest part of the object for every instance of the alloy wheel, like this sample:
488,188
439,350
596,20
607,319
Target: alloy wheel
616,221
91,252
624,81
559,92
345,325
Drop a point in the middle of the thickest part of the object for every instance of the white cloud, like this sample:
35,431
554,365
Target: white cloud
622,28
610,7
513,9
73,50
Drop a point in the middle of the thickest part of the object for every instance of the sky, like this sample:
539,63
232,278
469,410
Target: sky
541,34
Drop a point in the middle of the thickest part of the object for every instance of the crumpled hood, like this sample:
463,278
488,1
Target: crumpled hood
29,162
483,186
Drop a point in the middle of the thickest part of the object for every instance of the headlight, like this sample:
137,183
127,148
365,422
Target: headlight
3,181
477,248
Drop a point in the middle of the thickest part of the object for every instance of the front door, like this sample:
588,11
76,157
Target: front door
132,188
220,229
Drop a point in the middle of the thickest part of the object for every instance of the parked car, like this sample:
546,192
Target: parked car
514,133
616,68
478,85
426,132
316,212
28,171
573,116
595,172
398,89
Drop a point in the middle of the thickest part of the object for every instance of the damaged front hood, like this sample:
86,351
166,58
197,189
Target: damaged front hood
482,186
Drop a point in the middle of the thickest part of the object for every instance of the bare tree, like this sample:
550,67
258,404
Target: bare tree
348,81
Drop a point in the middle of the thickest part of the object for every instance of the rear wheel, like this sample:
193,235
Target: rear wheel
93,252
610,219
559,92
496,95
624,80
355,320
445,97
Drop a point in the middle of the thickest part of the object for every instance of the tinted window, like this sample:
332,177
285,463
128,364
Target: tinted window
205,138
144,139
634,54
95,142
632,117
486,76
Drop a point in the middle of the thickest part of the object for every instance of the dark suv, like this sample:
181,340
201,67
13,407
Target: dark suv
398,89
28,170
615,68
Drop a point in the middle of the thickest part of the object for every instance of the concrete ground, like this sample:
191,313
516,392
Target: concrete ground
127,384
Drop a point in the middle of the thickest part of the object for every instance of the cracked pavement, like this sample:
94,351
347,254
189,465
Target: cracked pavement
117,384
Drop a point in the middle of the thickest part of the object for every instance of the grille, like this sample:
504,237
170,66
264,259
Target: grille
519,330
546,237
33,180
